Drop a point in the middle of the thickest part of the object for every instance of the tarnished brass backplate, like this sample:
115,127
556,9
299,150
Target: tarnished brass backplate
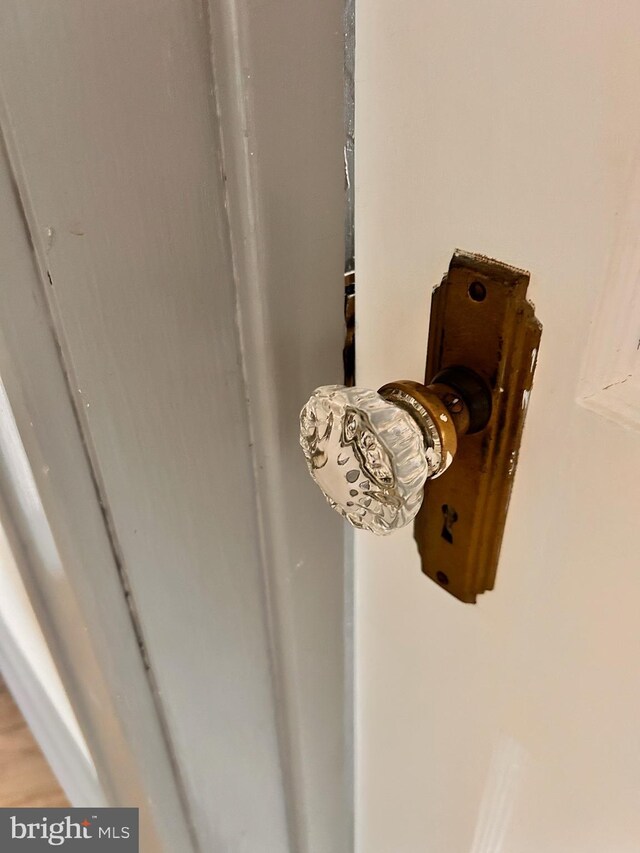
481,319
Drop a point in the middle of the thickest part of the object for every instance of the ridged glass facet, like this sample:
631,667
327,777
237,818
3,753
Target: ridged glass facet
367,455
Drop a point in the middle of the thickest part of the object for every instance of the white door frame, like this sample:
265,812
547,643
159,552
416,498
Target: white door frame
192,160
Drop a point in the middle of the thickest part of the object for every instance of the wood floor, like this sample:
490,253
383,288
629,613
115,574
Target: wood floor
25,776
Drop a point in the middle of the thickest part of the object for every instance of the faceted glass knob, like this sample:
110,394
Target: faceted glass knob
370,457
372,451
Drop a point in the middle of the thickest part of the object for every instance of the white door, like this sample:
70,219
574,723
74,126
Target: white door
509,129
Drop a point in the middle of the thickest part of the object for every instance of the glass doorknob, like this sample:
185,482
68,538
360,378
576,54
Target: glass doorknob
372,452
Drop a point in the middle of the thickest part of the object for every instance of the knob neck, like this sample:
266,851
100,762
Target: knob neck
473,394
432,416
457,402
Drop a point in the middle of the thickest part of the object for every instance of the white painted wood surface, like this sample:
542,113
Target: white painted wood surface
22,638
57,534
184,194
611,370
64,751
278,71
512,726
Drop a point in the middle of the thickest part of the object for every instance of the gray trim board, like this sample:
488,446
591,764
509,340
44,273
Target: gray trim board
181,173
56,528
69,764
278,70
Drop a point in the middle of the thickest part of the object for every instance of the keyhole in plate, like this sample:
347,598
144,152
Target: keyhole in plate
450,516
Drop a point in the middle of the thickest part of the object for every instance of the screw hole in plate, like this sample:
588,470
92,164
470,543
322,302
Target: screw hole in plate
477,291
442,578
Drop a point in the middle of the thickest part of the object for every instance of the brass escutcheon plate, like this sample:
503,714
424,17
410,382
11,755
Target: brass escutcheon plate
481,319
